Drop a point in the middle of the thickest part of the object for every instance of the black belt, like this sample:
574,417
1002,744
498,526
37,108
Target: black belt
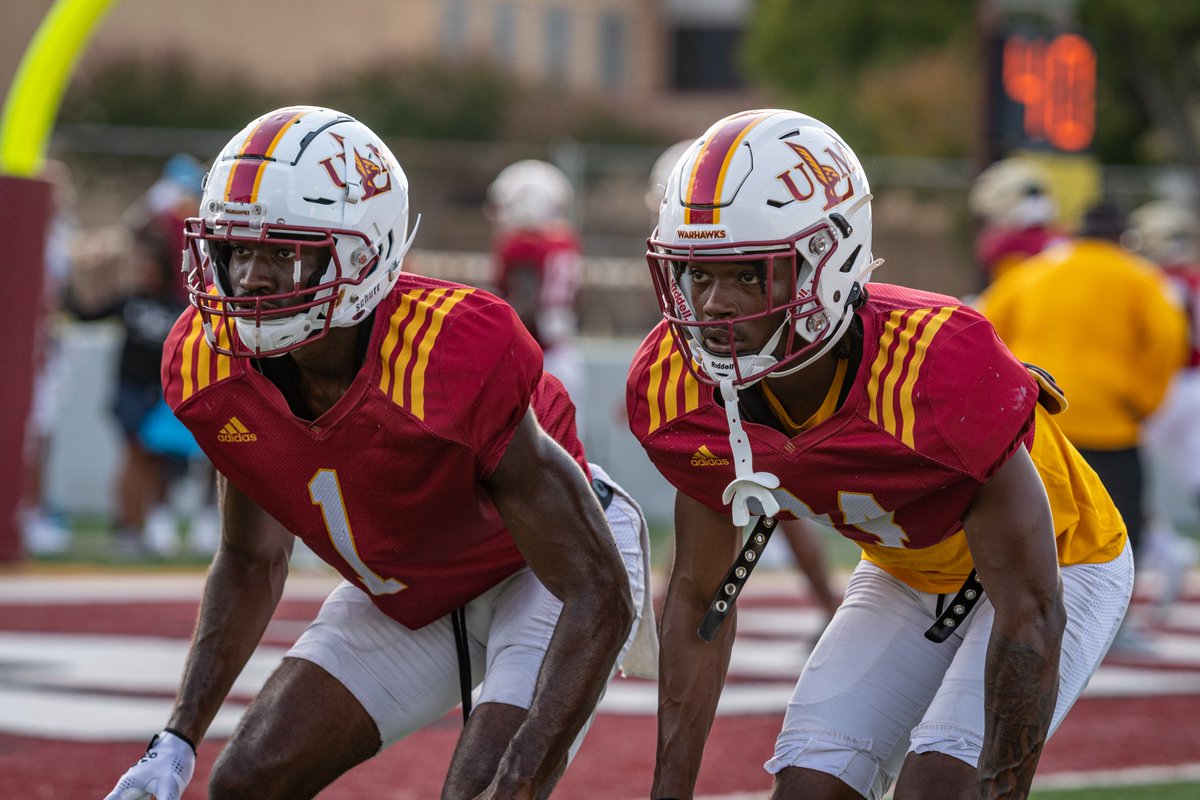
951,618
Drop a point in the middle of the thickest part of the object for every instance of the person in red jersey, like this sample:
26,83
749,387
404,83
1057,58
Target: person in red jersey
1013,199
802,536
1168,233
539,261
402,428
895,416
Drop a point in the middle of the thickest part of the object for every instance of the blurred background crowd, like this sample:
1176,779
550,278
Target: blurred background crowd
1039,159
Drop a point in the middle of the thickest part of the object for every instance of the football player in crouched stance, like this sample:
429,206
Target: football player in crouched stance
403,429
897,417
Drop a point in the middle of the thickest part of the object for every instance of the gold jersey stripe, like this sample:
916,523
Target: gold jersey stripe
892,379
223,362
903,347
914,369
427,341
387,378
412,341
186,369
656,370
670,383
883,360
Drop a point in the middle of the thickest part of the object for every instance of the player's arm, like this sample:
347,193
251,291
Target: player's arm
523,294
1010,531
240,595
548,506
242,590
691,672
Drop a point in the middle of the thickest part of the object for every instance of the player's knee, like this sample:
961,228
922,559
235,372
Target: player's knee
951,740
849,759
236,776
232,778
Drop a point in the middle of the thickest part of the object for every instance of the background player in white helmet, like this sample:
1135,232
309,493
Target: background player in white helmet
1014,200
899,418
539,262
402,427
1168,233
803,536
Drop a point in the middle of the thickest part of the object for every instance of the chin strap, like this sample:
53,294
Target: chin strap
747,485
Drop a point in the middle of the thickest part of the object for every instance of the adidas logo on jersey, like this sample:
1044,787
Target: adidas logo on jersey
706,458
235,431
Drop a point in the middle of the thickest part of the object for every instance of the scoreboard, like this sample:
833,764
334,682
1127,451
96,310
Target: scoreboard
1042,87
1040,104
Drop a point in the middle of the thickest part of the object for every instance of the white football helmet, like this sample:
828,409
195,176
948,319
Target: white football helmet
529,194
1166,232
660,173
771,186
306,177
1013,193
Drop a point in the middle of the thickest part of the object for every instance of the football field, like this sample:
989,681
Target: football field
89,663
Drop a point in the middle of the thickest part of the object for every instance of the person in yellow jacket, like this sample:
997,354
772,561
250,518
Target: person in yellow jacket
1107,326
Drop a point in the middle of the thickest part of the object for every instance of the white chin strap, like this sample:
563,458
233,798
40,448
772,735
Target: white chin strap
749,487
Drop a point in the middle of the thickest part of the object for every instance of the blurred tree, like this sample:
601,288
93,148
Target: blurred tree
904,77
1149,64
421,100
161,90
429,99
893,80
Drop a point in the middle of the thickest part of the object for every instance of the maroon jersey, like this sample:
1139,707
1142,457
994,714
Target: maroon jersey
386,485
553,257
936,406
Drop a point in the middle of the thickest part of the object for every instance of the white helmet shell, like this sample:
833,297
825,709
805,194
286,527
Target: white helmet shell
1013,193
777,186
312,177
660,173
529,194
1166,232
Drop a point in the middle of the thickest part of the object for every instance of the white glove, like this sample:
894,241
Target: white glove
163,773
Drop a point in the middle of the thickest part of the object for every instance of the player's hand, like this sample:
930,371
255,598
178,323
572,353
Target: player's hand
163,773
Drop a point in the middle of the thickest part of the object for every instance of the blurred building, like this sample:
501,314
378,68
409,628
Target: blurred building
632,48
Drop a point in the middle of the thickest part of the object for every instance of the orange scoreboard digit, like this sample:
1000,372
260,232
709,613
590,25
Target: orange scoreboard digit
1046,94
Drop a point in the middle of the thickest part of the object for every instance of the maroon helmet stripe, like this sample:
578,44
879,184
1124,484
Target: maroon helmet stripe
261,143
708,174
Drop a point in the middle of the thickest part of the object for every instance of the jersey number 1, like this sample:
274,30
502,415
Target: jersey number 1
326,492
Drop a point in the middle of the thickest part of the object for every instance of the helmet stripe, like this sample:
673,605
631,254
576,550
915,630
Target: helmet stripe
250,163
712,164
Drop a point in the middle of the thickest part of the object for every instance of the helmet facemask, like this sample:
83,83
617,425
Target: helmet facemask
300,177
809,322
274,324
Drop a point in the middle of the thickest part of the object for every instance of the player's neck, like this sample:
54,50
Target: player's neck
803,392
326,368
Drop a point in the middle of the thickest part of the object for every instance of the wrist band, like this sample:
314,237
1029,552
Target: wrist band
185,739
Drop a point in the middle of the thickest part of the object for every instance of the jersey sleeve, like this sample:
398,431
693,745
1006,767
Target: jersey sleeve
484,368
189,364
556,414
979,400
659,387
